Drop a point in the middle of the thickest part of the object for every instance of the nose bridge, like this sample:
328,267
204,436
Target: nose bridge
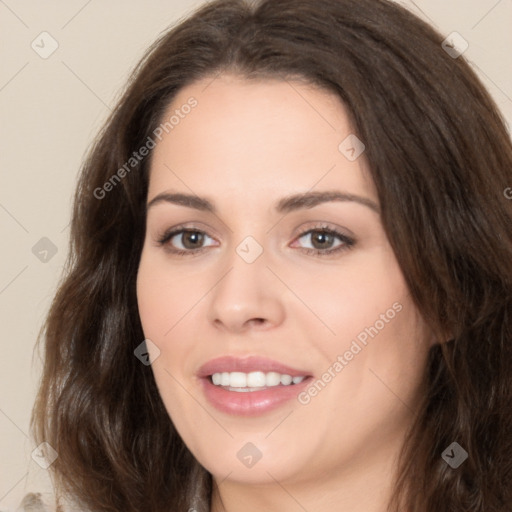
245,292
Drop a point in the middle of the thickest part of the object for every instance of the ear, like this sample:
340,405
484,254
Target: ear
439,337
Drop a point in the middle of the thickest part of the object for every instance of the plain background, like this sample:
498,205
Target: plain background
51,110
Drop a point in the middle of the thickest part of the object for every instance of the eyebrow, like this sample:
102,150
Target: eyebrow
285,205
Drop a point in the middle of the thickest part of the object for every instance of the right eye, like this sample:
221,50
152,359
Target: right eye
184,241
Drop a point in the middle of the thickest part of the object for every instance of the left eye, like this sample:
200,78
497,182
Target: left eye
324,240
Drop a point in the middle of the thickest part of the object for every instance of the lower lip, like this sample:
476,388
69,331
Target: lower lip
251,403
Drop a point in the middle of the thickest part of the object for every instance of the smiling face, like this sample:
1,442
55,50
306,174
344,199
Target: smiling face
286,270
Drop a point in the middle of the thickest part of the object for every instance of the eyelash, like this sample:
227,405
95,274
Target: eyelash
347,242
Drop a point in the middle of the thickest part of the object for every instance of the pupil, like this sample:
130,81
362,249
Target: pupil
194,237
323,238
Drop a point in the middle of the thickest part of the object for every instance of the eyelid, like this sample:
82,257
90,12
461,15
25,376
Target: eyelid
186,226
318,225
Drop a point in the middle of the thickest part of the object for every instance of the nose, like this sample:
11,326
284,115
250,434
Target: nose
247,296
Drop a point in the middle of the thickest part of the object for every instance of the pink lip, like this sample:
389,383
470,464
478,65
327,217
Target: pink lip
250,403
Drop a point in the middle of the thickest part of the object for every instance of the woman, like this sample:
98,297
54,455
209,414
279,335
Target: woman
289,284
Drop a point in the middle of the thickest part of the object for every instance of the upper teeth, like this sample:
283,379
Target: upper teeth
253,379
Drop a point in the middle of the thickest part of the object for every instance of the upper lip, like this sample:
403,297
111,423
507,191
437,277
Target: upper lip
246,365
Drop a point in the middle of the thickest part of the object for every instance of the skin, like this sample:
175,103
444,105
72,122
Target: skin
261,141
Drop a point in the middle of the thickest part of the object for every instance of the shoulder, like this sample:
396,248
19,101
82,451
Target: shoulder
47,502
36,502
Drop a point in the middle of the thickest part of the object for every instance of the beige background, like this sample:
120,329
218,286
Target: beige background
52,108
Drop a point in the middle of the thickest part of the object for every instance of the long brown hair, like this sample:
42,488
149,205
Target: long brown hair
441,160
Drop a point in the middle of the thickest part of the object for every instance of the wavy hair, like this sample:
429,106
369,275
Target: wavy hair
441,160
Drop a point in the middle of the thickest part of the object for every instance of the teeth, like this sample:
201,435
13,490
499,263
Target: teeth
286,380
255,380
237,380
273,379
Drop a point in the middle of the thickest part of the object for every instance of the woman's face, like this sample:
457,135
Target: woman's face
286,272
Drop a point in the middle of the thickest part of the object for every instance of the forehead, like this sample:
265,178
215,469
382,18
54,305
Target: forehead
256,136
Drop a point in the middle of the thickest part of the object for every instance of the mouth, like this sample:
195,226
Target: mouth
250,386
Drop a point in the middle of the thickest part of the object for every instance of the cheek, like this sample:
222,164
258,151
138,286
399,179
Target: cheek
160,304
345,299
162,298
374,365
363,314
165,303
